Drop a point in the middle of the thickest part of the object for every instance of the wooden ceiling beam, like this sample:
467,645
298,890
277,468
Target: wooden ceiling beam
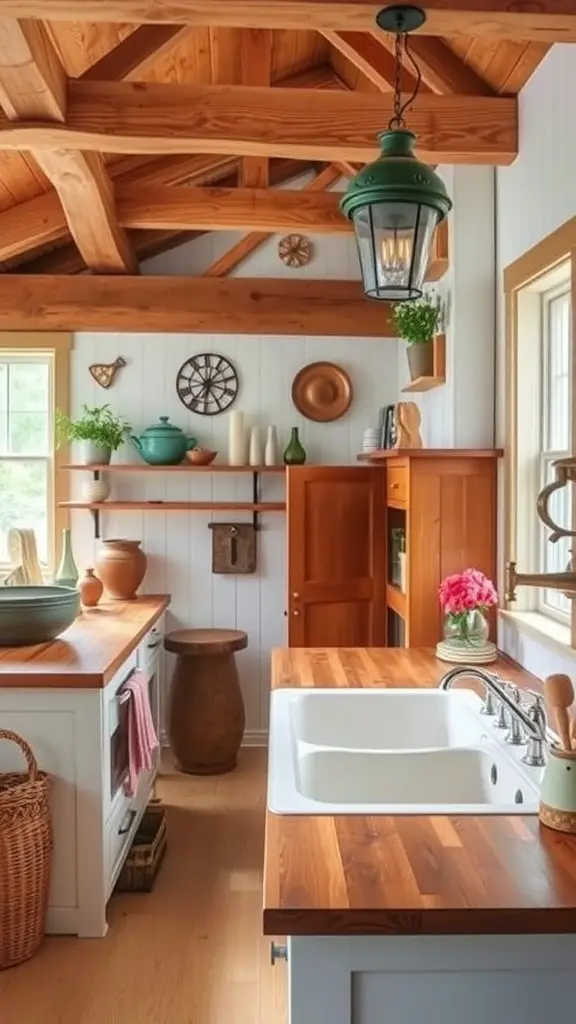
369,55
325,125
550,21
87,196
136,54
33,86
253,241
218,209
38,217
198,305
33,83
441,69
256,58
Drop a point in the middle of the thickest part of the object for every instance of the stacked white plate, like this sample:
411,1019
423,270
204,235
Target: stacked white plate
370,440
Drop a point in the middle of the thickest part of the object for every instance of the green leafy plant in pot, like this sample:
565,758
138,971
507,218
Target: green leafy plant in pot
417,322
99,432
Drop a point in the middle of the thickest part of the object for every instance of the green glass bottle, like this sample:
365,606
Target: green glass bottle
67,574
294,454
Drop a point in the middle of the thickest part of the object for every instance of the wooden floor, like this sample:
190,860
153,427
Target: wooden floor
191,952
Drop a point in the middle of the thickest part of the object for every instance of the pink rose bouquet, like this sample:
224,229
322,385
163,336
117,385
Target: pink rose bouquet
466,592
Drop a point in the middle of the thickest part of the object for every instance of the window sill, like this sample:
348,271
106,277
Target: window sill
539,626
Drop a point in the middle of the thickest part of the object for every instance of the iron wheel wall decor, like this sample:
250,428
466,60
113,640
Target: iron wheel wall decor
207,383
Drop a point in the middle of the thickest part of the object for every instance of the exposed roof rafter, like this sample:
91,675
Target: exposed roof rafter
547,21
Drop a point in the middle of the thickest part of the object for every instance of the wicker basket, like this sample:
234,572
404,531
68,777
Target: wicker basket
146,853
25,857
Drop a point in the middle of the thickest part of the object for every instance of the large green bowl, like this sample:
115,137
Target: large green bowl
35,615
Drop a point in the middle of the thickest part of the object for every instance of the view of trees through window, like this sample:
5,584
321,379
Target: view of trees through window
26,448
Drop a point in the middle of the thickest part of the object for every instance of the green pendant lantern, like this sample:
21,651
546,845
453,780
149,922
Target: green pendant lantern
397,202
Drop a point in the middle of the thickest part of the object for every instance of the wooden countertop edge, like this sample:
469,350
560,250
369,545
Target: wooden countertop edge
23,679
115,665
431,921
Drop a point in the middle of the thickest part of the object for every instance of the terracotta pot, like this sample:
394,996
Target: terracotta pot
91,589
121,566
421,359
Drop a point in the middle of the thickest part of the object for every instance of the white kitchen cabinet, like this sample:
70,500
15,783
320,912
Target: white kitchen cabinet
70,730
443,979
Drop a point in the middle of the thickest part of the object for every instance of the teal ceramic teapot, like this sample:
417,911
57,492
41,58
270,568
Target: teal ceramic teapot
163,444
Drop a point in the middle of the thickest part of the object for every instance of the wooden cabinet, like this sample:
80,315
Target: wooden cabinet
347,586
443,504
336,556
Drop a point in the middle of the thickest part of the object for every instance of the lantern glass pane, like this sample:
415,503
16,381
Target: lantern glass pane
394,244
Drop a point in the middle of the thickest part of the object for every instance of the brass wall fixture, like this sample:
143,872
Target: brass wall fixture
565,470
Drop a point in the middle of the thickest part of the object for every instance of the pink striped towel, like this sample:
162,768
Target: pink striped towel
142,738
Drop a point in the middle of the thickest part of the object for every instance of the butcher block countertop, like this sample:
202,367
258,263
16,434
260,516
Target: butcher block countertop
408,875
88,654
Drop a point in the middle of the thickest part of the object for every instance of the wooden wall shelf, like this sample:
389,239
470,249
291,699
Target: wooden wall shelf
439,368
184,467
256,506
177,506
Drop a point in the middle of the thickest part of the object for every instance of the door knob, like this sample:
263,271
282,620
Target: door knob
296,595
277,952
295,612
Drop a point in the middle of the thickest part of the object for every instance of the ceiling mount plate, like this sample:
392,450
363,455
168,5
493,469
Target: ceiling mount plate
400,18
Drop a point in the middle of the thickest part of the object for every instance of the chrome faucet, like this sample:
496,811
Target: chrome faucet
508,696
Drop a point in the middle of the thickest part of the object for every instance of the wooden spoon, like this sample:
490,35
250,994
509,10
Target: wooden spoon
559,693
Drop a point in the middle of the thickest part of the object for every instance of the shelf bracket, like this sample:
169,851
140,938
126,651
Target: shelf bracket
95,512
256,500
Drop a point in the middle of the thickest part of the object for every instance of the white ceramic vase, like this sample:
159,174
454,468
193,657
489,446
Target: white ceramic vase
236,439
94,491
271,455
255,454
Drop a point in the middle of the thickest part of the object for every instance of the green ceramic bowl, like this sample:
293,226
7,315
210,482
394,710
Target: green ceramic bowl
35,615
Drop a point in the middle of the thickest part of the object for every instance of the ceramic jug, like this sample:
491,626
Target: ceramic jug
558,791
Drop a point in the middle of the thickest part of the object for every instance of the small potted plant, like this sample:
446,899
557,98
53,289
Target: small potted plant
99,432
417,322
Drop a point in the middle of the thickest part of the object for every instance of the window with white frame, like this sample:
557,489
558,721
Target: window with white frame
543,433
27,448
556,435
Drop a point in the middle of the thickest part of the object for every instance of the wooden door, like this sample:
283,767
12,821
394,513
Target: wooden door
336,556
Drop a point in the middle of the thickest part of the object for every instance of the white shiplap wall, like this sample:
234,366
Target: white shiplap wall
178,545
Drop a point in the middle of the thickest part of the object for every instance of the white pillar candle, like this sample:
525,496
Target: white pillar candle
255,455
236,439
271,457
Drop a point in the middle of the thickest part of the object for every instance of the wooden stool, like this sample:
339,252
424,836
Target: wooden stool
206,707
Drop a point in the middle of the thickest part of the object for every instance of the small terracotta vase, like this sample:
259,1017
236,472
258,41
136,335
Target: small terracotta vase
91,589
121,566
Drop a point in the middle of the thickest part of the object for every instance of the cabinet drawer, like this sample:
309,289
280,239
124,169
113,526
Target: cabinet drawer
397,485
122,824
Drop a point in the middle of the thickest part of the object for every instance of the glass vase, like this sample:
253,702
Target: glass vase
468,630
67,573
295,454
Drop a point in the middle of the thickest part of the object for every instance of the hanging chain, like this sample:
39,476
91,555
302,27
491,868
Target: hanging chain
401,53
397,121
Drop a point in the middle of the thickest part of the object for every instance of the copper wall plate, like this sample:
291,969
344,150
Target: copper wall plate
322,392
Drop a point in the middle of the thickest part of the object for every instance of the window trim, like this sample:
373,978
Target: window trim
549,455
59,345
538,262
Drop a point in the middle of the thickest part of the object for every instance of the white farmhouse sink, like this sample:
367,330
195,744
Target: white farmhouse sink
392,752
404,719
